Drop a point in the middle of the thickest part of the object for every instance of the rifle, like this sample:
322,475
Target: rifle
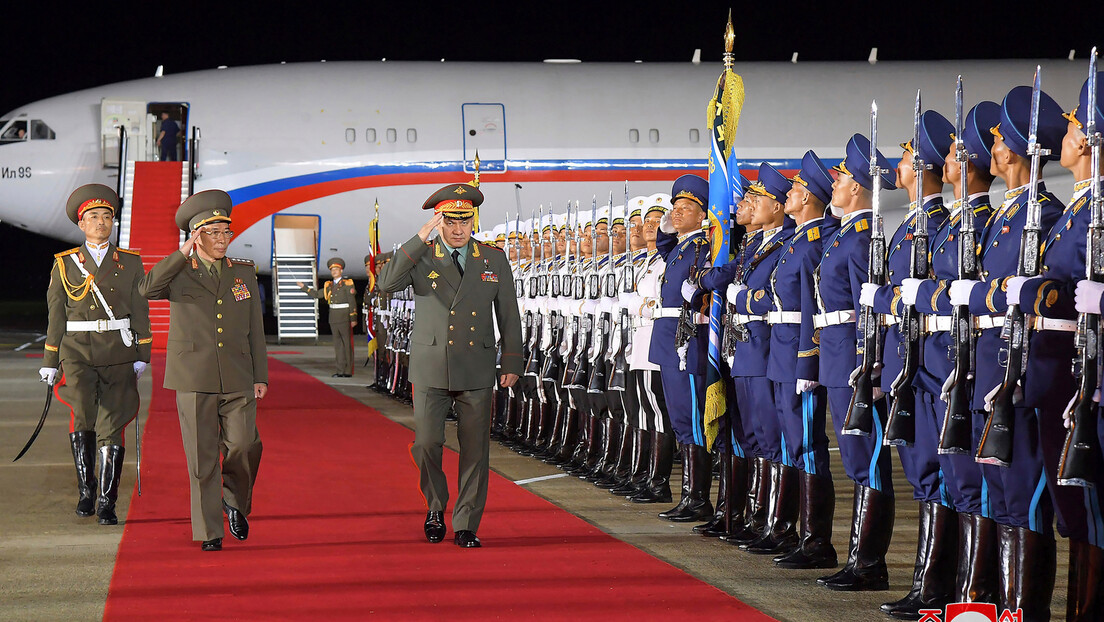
956,437
900,428
996,439
860,412
1081,454
585,370
734,331
533,363
686,328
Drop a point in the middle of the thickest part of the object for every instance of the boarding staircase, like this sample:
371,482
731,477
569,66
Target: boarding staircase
294,249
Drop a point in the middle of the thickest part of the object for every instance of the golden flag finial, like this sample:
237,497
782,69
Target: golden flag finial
729,41
475,182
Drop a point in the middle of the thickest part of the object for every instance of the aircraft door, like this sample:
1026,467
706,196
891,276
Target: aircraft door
168,116
485,132
126,113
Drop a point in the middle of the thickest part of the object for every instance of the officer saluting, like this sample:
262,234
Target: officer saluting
99,333
340,294
458,283
217,364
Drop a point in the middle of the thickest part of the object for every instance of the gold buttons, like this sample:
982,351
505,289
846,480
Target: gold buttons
450,326
220,329
450,342
93,307
471,343
1058,237
472,329
220,344
219,301
995,242
473,313
218,316
452,313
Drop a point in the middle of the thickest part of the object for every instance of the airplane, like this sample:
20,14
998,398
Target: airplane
327,140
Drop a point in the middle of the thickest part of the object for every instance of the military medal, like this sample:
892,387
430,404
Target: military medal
240,291
489,277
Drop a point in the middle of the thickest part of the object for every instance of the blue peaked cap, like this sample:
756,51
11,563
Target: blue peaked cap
1080,115
857,164
1015,121
691,187
816,177
771,183
935,138
976,135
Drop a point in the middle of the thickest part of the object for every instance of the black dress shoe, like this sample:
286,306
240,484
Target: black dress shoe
239,525
212,545
337,375
466,539
435,526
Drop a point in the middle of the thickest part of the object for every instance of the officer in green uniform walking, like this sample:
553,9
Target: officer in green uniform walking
340,294
458,283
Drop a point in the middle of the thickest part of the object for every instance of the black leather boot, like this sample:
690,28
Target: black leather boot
1008,549
715,527
111,471
936,560
758,496
780,535
546,430
875,530
1035,569
620,467
814,550
697,476
1085,596
737,496
582,451
596,459
638,468
657,487
553,432
569,438
853,539
603,477
977,561
84,457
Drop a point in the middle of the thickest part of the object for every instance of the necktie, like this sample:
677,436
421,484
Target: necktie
214,273
456,262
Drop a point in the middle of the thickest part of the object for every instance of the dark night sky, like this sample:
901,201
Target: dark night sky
48,50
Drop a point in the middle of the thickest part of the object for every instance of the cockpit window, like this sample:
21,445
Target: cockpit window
41,131
20,129
14,131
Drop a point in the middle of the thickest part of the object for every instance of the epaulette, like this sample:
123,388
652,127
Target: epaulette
237,260
128,251
491,246
348,281
813,234
68,252
700,241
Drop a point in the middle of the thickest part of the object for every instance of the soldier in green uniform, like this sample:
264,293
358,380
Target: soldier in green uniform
217,364
99,334
340,294
458,284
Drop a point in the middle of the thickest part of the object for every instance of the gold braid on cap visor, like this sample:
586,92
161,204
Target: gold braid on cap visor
93,204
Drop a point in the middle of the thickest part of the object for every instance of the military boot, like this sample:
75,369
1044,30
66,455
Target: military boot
814,549
638,468
936,560
780,534
1035,569
1085,596
111,471
722,517
755,513
657,488
697,469
977,559
620,467
875,530
84,457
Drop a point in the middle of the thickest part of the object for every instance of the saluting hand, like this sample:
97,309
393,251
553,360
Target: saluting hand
427,229
189,244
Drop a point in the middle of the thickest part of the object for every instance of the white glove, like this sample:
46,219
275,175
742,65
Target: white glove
806,385
666,226
48,374
1012,289
945,390
733,291
682,351
960,291
139,368
866,294
1017,396
1069,408
909,289
1087,297
688,291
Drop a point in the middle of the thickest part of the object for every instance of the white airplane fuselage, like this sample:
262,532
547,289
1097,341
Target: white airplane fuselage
328,139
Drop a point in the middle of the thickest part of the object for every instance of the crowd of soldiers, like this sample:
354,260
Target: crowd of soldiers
953,339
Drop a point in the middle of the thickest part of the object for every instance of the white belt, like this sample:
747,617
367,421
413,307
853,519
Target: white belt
1046,323
340,305
675,312
937,323
820,320
983,322
745,319
784,317
96,326
890,320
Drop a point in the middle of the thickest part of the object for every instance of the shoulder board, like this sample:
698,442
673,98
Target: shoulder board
813,234
491,246
238,260
700,241
348,281
429,242
68,252
1080,203
862,225
129,252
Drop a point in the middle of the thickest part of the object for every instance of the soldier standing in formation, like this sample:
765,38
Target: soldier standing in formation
217,363
99,336
340,294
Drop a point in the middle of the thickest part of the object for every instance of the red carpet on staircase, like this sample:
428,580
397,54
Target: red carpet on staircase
153,229
336,534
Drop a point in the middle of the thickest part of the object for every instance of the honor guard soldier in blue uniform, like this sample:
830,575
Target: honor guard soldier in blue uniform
99,335
685,248
842,271
970,496
794,364
934,568
1026,544
1050,297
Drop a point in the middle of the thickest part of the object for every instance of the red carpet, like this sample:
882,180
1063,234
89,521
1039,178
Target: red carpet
337,535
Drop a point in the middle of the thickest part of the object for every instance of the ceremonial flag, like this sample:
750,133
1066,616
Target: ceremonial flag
373,250
723,118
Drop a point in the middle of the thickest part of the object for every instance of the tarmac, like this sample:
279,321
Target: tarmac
57,566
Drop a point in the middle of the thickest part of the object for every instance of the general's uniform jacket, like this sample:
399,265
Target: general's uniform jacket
336,296
216,331
453,342
795,348
680,257
840,275
70,298
898,260
1000,249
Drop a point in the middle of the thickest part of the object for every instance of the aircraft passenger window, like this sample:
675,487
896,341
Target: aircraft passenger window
634,136
41,131
392,135
15,132
653,135
694,138
350,135
370,134
411,135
